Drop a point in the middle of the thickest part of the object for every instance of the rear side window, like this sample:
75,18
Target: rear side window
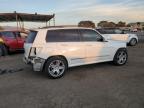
66,35
8,34
31,37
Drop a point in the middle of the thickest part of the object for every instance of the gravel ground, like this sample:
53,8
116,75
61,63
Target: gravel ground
93,86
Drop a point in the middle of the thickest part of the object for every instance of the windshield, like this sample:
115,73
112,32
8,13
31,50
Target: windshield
31,37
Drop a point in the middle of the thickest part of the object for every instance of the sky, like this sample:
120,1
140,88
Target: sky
70,12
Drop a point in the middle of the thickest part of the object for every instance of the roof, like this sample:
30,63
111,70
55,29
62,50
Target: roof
11,17
13,31
60,27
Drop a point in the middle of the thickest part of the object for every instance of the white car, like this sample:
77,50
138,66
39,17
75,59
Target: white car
119,35
53,50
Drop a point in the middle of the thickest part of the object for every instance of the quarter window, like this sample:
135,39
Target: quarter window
31,37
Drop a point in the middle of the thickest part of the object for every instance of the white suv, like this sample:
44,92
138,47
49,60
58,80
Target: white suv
53,50
119,35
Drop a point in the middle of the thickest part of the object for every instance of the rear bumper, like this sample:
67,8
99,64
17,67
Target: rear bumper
37,63
26,61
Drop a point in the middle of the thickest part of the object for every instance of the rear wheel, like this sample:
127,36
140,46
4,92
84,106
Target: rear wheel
56,67
120,57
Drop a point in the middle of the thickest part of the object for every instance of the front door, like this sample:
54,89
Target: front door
97,50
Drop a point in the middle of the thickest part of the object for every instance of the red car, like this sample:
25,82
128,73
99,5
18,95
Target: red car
11,41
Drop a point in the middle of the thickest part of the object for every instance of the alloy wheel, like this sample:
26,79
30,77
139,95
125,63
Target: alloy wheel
56,68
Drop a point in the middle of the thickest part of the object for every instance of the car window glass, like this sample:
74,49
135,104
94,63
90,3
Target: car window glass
91,35
63,35
8,34
31,37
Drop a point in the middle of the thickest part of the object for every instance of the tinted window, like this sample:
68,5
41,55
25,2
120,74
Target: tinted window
31,37
8,34
110,31
91,35
69,35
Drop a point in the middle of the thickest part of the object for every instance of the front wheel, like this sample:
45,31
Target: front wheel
133,42
120,57
55,67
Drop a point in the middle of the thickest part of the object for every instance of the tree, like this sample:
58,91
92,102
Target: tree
111,24
121,24
88,24
102,24
106,24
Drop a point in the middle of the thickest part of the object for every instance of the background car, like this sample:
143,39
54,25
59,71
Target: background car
119,35
11,41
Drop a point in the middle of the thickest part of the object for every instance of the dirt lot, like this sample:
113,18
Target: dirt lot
93,86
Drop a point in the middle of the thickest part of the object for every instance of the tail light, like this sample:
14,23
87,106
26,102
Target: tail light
34,51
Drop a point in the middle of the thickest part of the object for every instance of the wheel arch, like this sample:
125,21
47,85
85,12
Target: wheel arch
133,38
61,56
122,48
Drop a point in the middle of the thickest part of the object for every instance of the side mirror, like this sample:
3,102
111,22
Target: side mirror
105,40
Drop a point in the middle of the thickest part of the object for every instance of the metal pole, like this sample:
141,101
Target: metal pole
49,22
54,20
17,20
46,23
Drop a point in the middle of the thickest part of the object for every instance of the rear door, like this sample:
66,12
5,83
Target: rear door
68,44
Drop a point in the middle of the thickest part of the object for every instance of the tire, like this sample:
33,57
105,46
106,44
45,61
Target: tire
3,50
133,42
55,67
120,57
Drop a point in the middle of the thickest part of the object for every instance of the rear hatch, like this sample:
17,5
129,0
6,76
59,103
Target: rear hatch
29,42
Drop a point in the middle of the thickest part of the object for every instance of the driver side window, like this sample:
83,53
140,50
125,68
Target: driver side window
90,35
